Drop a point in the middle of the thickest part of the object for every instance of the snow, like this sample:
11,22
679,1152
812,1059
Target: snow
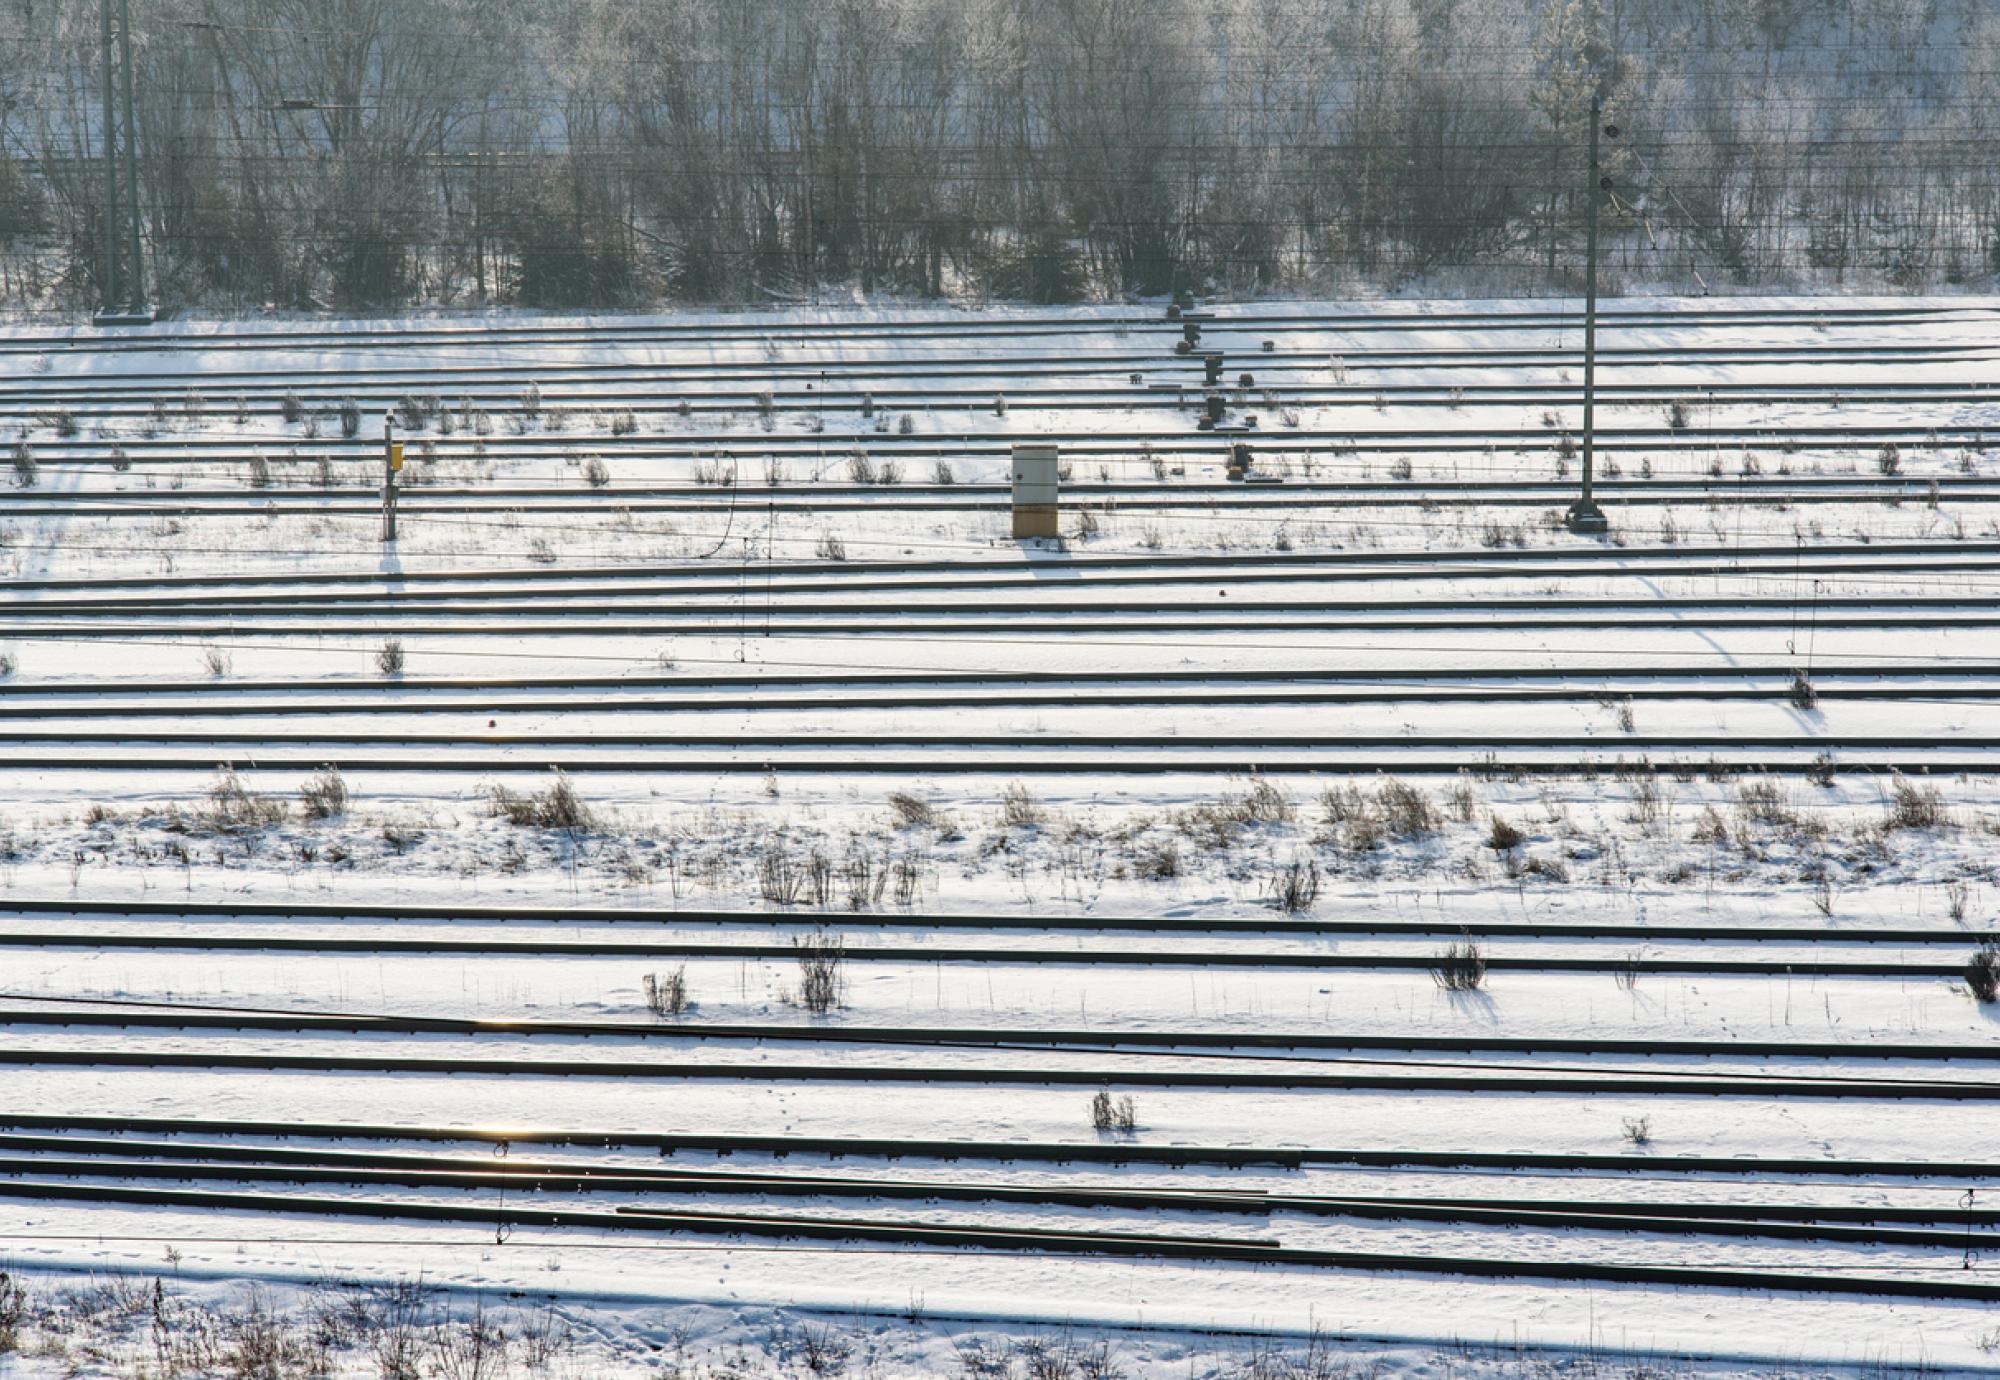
623,614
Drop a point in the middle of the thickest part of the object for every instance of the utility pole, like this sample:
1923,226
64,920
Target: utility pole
392,464
1584,515
121,260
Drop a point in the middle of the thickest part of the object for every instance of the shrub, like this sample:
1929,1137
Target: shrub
912,809
1019,809
324,794
830,548
234,807
666,993
215,660
291,408
1296,886
1889,460
557,806
1406,810
350,418
1157,860
822,956
13,1312
595,473
1804,696
389,656
27,472
1914,807
1109,1114
1677,416
1982,974
1501,836
1639,1130
1459,967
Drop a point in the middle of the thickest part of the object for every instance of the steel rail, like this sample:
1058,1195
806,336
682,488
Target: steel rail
1822,763
1619,679
1527,1080
1580,693
1306,960
747,620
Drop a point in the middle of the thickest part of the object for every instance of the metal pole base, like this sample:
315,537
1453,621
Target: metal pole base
1587,519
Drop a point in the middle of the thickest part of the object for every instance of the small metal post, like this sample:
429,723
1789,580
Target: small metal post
389,457
1584,514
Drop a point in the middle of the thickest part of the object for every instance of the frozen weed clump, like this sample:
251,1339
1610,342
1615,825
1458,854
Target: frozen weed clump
1157,860
595,473
324,794
389,657
1110,1115
830,548
558,806
1460,967
27,473
912,809
1914,807
1501,836
822,957
1982,974
1262,805
666,993
215,661
1019,809
350,418
1803,696
233,807
1296,886
1639,1130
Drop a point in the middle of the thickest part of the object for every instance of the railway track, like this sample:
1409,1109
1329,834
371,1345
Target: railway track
927,955
1098,1151
55,1157
756,329
1409,1075
750,618
35,1010
572,916
1178,440
880,1233
1778,559
427,504
1578,691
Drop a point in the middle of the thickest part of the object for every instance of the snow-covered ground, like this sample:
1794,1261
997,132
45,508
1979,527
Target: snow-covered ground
162,736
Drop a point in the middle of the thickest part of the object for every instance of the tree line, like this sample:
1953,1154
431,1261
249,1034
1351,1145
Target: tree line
373,154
